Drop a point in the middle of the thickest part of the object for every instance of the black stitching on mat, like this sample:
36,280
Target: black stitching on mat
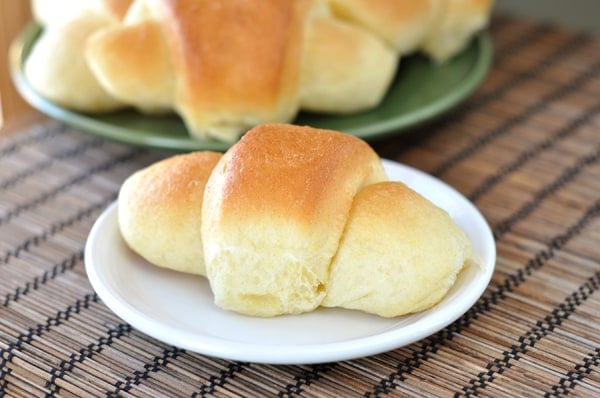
27,139
522,41
309,376
571,45
157,362
71,152
484,305
569,382
54,229
558,54
532,336
576,42
219,381
7,354
501,21
305,379
77,180
472,105
492,180
88,352
569,174
56,270
501,228
503,128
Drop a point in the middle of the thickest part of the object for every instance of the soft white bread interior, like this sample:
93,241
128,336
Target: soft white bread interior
273,214
399,253
160,211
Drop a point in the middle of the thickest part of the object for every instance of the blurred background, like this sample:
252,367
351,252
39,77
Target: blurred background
575,14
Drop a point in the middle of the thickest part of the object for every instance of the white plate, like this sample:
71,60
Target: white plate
178,309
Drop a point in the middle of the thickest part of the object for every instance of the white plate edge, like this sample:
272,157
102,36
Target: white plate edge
302,354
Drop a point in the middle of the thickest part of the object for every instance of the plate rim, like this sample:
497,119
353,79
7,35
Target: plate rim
387,127
303,353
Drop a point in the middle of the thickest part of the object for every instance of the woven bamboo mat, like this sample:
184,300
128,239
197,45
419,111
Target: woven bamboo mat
524,149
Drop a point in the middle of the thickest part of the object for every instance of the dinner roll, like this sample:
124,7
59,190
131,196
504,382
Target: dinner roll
455,28
399,253
160,211
438,28
345,69
224,66
401,23
291,218
274,210
133,64
56,67
58,12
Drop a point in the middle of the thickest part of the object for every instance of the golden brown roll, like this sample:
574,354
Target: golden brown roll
401,23
345,69
225,66
274,211
399,253
438,28
57,12
291,218
160,211
460,20
228,65
133,64
56,67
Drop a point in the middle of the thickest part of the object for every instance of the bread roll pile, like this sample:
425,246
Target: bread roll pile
292,218
227,65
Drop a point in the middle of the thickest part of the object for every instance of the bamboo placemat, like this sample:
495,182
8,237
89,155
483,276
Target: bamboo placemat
524,149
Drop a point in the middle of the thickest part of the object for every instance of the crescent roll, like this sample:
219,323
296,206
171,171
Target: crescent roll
292,218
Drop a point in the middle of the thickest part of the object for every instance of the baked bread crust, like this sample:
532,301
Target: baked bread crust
455,27
274,210
57,69
160,211
399,253
133,63
438,28
403,24
291,218
226,66
344,69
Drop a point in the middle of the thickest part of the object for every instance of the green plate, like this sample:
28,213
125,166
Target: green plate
420,92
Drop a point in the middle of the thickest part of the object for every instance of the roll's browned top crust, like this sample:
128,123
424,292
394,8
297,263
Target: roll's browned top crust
236,59
300,171
160,211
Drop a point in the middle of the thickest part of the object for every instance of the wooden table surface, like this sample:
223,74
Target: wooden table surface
14,111
524,149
